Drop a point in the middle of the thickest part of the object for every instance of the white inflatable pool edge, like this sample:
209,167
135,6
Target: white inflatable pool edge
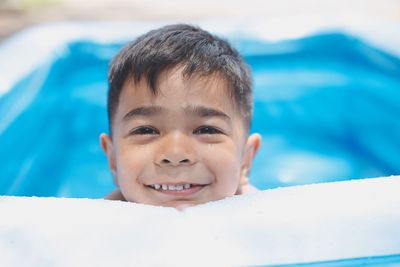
319,222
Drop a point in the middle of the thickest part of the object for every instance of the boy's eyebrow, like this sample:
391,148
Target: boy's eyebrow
143,111
199,111
202,111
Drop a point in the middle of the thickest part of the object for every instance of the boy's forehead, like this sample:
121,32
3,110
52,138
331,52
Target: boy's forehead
210,89
204,84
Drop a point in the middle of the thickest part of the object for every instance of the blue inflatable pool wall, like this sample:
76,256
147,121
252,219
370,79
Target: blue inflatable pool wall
327,106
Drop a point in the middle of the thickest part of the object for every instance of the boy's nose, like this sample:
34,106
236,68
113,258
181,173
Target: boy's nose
174,162
176,149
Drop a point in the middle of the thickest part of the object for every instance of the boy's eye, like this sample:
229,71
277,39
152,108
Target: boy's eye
207,130
144,130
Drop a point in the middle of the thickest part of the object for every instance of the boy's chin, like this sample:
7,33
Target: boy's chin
180,206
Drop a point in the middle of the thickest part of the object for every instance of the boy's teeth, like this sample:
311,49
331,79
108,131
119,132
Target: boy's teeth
172,187
179,187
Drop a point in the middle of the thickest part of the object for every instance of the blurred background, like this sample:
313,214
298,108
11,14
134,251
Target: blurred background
18,14
326,86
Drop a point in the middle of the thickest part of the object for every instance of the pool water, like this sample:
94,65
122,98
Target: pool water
378,261
326,105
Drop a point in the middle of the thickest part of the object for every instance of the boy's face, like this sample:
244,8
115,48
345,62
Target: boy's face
184,146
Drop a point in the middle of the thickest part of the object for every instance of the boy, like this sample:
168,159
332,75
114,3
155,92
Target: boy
179,109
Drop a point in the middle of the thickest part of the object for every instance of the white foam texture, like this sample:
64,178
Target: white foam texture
320,222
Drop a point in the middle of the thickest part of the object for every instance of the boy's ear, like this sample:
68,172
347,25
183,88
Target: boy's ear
108,148
252,145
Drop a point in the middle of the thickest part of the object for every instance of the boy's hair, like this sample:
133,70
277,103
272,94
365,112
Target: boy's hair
197,51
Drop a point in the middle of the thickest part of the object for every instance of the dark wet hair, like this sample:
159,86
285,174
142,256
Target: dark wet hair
196,50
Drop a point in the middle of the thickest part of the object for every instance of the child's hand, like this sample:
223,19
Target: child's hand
248,188
245,187
115,195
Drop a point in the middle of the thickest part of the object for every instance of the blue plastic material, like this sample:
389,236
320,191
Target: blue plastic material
378,261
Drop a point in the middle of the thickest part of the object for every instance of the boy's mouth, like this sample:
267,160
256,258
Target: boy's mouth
178,189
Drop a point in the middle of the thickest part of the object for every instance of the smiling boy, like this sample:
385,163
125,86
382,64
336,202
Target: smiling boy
179,108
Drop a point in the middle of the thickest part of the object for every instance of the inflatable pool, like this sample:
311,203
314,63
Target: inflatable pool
326,103
350,223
